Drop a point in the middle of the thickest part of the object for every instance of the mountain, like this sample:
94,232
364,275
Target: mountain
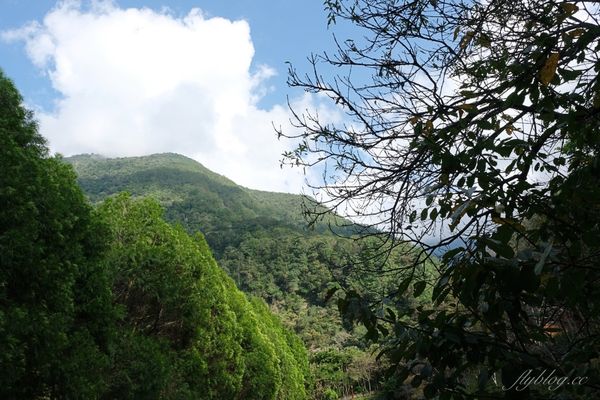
262,241
260,238
198,198
113,302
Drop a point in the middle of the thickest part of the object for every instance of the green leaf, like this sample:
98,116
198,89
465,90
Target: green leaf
391,314
413,216
456,32
433,215
451,253
485,124
569,75
501,249
404,285
504,233
514,99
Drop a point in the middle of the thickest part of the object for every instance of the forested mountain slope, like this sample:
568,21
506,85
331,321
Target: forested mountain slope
113,302
195,196
261,239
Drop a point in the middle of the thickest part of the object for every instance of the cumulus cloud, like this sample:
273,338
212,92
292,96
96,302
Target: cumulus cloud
139,81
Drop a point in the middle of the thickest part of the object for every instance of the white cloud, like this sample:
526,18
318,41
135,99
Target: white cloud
139,81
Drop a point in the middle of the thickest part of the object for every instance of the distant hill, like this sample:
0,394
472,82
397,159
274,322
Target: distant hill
198,198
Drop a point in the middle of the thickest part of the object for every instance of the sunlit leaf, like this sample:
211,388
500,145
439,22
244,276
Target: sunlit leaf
549,69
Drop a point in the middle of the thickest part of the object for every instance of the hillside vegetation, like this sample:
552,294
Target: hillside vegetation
197,197
262,241
260,238
115,302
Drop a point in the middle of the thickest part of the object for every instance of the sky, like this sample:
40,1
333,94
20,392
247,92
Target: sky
206,79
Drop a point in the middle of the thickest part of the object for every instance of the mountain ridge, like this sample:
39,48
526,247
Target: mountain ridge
182,185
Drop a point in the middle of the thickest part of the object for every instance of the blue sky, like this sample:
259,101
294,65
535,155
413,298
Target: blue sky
282,30
129,77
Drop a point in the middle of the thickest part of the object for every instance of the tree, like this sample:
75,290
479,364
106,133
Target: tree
55,302
114,302
175,308
187,331
471,131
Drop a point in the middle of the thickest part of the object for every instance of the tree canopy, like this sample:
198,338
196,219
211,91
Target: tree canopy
55,310
471,132
209,340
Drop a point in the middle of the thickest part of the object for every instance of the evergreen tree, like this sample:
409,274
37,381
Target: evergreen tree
55,308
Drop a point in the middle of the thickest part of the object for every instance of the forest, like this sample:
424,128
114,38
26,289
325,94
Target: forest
451,249
113,301
262,242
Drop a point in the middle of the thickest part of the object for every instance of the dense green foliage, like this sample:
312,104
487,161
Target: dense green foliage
116,302
196,197
189,315
260,240
472,124
55,307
